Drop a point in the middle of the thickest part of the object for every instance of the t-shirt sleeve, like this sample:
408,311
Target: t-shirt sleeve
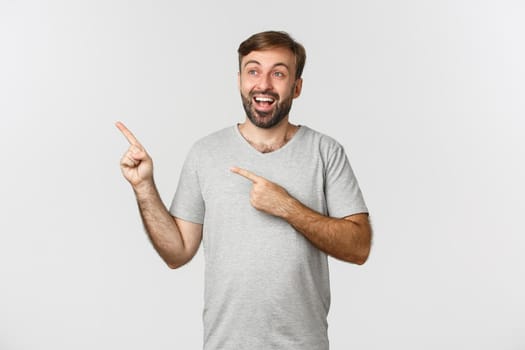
188,203
342,192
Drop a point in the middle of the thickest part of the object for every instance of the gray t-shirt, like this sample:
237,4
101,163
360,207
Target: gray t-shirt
266,285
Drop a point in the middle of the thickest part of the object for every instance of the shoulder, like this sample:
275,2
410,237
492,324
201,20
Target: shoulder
325,144
213,141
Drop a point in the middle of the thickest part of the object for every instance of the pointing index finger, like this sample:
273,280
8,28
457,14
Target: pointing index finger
245,173
127,133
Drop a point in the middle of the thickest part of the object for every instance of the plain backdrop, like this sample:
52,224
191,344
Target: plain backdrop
427,97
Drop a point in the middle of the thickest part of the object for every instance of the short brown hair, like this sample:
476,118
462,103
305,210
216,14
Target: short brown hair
274,39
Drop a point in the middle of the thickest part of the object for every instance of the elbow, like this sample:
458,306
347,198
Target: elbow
361,260
358,249
359,257
173,266
364,251
176,262
364,254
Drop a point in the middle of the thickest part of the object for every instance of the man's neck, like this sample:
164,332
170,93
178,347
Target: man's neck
268,140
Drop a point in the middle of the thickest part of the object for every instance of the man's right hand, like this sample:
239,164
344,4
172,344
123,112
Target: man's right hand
136,165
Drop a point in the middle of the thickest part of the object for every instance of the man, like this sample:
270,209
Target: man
269,199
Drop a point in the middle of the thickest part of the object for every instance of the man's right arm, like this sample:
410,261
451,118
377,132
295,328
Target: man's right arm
174,239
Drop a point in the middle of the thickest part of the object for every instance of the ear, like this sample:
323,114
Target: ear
239,80
298,87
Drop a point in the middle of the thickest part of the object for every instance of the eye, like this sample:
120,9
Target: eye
252,72
279,74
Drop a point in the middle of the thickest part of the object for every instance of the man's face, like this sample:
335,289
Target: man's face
268,85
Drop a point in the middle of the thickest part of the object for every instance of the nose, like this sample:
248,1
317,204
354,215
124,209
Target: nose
265,82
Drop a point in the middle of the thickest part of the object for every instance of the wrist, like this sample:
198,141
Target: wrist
144,187
291,209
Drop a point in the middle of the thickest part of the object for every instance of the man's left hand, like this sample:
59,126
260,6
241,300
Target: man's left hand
265,195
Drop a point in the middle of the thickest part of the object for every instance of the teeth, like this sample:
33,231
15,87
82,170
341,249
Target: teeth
263,99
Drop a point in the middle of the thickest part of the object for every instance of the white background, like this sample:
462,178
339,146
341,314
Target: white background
426,96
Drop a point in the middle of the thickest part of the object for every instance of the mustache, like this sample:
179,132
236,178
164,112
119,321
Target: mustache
265,92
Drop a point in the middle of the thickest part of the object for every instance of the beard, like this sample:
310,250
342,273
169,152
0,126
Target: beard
267,120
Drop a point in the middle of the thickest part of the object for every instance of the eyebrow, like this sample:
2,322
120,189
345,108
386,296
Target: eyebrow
275,65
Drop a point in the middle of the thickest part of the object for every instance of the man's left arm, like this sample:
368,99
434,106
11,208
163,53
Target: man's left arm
347,238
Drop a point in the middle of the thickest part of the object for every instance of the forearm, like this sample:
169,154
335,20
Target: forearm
160,226
347,239
344,239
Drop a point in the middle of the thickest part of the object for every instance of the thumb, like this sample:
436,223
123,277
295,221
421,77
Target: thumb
138,154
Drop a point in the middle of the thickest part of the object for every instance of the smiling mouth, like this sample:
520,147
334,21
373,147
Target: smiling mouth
264,102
